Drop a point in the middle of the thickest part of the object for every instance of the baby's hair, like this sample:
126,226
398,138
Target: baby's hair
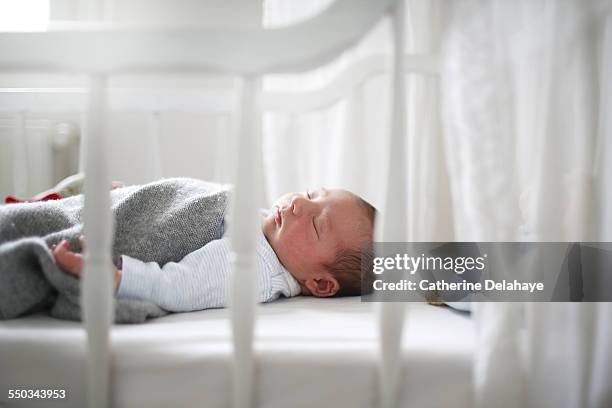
346,267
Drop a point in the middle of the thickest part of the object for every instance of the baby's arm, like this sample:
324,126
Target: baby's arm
198,281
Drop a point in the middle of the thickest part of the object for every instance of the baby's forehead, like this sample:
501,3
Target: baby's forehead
346,209
343,198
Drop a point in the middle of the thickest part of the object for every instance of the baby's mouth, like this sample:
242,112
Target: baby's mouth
278,219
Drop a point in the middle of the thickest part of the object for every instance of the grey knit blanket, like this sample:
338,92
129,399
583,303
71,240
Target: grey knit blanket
158,222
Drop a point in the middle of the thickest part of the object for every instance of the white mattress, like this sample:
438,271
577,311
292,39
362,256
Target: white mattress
310,353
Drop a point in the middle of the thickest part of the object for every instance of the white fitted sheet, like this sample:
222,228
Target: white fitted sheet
309,353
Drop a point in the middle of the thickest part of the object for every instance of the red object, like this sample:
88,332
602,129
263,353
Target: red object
9,199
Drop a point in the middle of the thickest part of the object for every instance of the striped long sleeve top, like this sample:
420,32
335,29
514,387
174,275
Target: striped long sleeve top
200,280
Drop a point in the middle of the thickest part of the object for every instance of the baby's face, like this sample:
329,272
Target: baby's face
307,229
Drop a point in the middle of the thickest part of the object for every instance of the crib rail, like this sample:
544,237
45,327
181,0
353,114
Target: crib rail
121,99
43,100
206,100
111,48
347,80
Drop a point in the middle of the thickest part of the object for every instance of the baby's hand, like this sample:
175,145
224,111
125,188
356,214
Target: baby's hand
72,262
66,259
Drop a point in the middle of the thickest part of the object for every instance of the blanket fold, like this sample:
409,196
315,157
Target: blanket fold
158,222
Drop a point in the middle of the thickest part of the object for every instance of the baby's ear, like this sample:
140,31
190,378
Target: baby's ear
324,286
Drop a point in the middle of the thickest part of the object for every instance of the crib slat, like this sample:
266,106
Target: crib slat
245,226
394,221
97,281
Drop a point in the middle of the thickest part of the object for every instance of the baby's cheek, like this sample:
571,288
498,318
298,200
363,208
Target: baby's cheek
297,240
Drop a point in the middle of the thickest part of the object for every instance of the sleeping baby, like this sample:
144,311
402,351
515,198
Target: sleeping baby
310,244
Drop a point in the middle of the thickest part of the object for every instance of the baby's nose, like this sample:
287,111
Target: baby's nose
299,205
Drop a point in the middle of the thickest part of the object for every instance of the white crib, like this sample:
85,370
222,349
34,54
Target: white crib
101,49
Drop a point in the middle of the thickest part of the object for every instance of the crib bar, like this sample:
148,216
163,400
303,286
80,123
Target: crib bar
97,283
394,220
42,100
245,228
344,83
111,47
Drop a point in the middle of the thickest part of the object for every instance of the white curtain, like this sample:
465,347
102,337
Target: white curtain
514,143
526,108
